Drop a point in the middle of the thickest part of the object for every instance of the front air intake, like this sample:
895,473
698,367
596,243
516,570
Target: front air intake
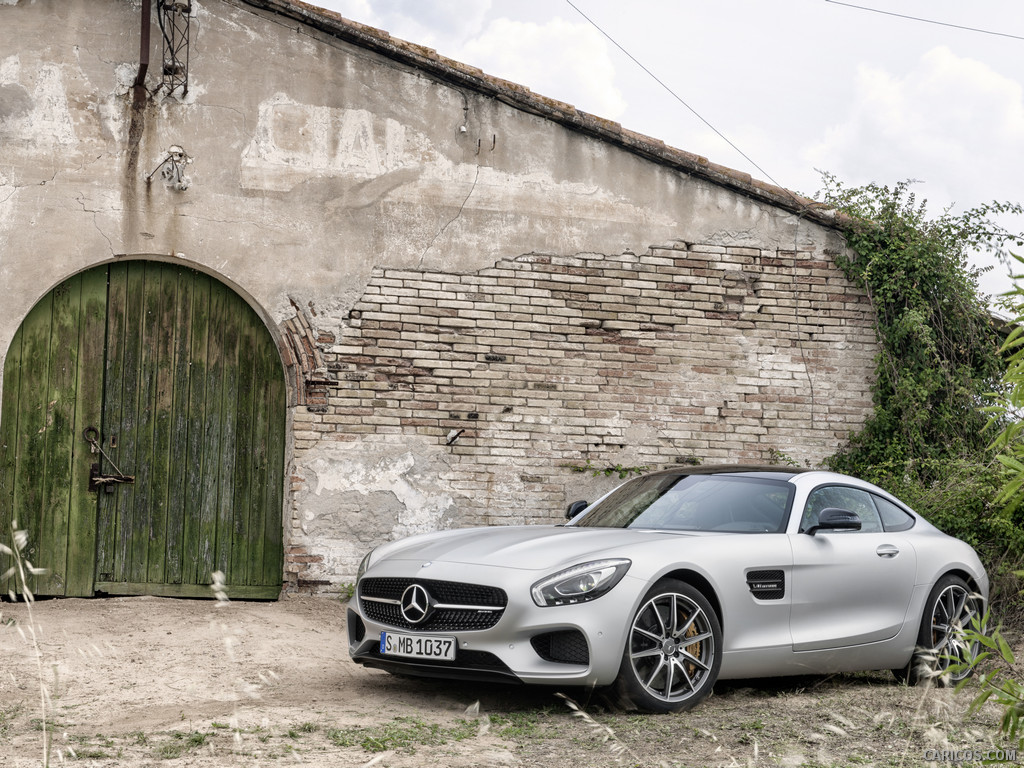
564,647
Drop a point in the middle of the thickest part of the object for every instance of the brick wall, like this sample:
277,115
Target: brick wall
687,353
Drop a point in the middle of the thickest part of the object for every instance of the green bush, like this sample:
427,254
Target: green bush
958,496
940,356
938,345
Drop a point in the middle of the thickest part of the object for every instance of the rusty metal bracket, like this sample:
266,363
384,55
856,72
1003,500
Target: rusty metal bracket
107,482
98,480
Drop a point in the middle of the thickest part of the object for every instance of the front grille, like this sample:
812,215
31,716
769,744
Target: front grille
443,591
441,620
566,647
479,607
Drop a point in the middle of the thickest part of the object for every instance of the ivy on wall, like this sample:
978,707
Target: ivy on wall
939,344
928,439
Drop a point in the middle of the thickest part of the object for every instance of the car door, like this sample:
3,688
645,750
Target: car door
849,587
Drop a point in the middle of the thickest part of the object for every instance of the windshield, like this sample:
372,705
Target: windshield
694,503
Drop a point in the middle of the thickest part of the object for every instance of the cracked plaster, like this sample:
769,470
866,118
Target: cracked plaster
40,116
357,494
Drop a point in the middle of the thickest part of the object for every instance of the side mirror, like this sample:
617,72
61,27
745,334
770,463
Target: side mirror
575,508
835,519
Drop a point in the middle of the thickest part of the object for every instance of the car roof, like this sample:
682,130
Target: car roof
756,470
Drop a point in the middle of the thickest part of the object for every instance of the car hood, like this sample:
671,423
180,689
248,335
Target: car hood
524,547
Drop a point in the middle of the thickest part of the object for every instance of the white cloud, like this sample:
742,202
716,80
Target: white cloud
554,58
955,116
557,59
358,10
953,123
439,24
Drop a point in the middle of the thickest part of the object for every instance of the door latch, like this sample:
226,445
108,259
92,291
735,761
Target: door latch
98,480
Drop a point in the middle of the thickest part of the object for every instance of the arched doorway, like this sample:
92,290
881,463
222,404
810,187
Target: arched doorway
142,437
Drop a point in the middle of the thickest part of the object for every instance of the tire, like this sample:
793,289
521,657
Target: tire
951,607
673,650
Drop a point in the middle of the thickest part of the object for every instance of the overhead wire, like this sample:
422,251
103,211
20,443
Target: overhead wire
802,206
717,132
926,21
675,95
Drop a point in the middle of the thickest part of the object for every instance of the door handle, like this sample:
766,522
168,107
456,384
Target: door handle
887,550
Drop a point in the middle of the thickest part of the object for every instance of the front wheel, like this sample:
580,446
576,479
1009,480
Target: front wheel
673,650
943,654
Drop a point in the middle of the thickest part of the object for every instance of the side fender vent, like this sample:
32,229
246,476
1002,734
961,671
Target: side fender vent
767,585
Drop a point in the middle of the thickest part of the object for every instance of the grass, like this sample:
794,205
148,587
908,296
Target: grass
7,716
139,738
760,726
20,571
181,744
403,734
302,730
840,720
520,726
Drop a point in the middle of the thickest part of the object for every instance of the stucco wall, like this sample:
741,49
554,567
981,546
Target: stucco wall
362,205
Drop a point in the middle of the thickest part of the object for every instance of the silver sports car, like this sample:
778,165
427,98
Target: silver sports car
675,580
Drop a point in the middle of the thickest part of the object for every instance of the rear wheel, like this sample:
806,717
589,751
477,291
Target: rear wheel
673,650
942,650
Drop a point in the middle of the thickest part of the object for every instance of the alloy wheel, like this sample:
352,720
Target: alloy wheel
671,647
952,612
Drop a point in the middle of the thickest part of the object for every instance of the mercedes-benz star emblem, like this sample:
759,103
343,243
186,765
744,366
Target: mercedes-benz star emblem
416,604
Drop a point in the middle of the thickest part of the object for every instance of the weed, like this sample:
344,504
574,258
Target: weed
91,753
21,570
196,739
180,744
618,469
1000,685
296,731
601,732
402,734
777,457
346,591
7,715
753,725
44,725
516,726
171,751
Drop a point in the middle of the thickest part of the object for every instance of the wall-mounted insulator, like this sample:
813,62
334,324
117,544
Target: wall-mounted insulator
175,24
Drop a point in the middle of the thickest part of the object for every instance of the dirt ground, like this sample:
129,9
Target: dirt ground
148,681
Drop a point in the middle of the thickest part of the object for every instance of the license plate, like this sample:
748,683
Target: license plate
417,646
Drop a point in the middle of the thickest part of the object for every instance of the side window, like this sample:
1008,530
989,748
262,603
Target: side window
893,518
843,497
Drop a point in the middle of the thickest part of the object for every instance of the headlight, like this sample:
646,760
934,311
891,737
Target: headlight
579,583
363,566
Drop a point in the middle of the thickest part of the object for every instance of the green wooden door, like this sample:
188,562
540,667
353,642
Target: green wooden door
183,387
51,393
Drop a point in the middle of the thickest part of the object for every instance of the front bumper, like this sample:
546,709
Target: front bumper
577,645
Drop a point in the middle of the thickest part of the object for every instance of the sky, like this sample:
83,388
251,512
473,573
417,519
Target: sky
781,89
